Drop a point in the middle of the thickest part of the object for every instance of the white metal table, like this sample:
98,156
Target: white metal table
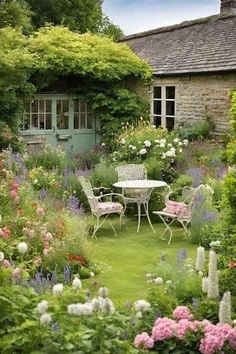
144,188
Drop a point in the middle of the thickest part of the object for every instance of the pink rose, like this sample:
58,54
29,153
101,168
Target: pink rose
40,211
6,263
5,233
15,185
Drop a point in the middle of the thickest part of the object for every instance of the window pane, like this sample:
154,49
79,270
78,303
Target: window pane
82,121
34,121
157,92
41,121
41,106
63,114
157,107
48,106
170,123
170,92
76,120
170,108
82,106
35,106
76,105
48,121
26,124
89,121
157,121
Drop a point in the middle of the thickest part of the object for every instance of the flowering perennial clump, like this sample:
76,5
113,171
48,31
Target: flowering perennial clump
213,338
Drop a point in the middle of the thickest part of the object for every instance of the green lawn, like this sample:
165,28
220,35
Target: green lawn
126,259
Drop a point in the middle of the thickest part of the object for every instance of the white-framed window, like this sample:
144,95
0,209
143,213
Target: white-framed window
163,106
45,113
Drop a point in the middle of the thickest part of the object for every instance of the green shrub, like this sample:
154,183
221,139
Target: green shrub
104,175
88,159
198,130
206,309
9,139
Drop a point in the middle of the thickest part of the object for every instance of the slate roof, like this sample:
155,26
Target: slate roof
199,46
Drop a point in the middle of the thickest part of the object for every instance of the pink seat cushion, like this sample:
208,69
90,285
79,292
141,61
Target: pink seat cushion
177,208
110,207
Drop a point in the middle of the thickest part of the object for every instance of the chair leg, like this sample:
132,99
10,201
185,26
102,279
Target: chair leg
98,225
147,214
112,226
139,215
121,216
184,224
166,229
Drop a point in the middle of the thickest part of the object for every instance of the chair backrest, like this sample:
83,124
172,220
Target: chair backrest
131,172
88,190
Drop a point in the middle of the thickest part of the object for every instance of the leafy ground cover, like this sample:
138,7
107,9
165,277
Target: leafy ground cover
125,260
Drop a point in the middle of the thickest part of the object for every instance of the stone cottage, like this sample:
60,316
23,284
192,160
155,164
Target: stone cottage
194,64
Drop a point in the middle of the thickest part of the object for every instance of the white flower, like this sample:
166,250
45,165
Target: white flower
134,148
157,141
225,309
213,278
162,145
147,143
76,284
158,281
22,247
42,307
234,322
95,304
0,218
35,181
185,142
170,153
80,309
91,274
215,244
142,306
113,159
130,146
176,140
180,150
108,306
149,275
57,289
163,141
180,144
173,149
163,156
200,261
1,256
103,144
103,292
139,314
168,282
142,151
205,285
122,141
45,319
169,145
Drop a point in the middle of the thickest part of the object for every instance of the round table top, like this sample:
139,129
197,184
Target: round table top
133,184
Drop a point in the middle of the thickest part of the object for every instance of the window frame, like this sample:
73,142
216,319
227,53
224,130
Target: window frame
54,98
163,100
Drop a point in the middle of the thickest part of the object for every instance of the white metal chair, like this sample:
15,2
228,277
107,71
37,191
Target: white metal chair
100,208
128,173
179,211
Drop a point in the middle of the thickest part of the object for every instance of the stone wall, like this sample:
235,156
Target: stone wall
199,96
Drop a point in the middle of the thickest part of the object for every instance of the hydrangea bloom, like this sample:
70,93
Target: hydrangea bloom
143,341
232,338
57,289
142,151
42,307
45,319
181,312
164,328
22,247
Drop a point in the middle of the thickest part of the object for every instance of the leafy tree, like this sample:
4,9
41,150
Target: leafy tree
110,30
15,14
78,15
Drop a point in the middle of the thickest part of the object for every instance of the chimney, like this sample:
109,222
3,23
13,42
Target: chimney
228,6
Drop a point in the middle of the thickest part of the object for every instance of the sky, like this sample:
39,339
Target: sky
140,15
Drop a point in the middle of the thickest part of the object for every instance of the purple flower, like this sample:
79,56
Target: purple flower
197,174
67,274
74,206
43,194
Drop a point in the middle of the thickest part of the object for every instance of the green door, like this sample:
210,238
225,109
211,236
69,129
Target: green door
60,120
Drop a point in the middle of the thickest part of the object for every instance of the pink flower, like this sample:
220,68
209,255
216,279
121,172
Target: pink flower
15,185
46,244
13,194
164,328
6,263
40,211
5,233
232,338
183,326
144,341
45,251
48,236
16,273
182,312
211,344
